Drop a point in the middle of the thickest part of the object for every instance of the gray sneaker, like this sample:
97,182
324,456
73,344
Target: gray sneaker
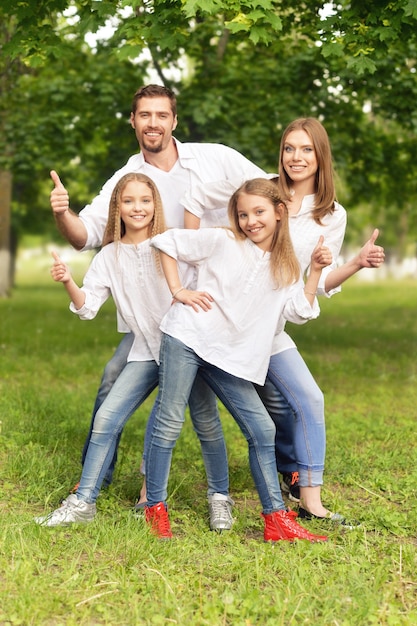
71,511
220,511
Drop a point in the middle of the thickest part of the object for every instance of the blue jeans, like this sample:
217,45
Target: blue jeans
204,416
111,372
291,376
206,422
135,383
178,369
283,417
137,380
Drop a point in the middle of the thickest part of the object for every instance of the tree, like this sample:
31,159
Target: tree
58,115
242,69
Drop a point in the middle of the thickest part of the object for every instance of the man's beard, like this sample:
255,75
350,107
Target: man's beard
152,148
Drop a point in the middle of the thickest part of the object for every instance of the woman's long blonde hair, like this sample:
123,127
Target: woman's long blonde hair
324,191
284,265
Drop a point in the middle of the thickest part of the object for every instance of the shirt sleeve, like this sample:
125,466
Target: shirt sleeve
215,195
297,308
96,288
190,246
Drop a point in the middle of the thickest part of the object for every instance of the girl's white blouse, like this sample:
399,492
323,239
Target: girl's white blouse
237,333
129,274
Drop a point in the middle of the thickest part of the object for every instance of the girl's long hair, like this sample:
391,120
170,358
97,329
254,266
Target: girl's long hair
285,268
115,228
325,194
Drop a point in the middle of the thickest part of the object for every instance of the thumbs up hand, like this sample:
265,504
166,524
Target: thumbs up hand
59,195
371,255
59,271
321,255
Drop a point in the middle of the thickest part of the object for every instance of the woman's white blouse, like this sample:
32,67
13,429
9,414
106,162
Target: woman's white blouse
237,333
305,234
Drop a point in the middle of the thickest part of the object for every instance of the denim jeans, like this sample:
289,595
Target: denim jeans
283,417
206,422
111,372
291,376
204,416
178,370
135,383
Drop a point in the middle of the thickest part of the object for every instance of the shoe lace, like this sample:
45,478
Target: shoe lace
220,508
290,523
162,523
61,513
294,478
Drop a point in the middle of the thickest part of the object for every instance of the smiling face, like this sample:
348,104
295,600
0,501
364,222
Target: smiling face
153,122
299,160
137,209
257,217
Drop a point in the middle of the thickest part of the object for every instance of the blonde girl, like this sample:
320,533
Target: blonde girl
248,280
126,268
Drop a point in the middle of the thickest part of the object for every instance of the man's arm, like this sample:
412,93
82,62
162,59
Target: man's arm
191,221
68,222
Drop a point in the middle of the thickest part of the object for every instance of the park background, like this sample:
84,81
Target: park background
242,71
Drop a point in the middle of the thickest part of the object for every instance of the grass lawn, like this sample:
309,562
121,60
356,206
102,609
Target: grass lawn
363,353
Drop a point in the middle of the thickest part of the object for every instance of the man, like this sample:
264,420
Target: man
176,168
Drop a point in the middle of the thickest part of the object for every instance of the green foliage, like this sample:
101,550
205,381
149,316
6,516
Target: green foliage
242,71
65,117
362,352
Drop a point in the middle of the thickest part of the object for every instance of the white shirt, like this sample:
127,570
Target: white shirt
129,274
236,334
305,233
197,163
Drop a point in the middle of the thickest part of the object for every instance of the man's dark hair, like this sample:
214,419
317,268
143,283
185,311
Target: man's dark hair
155,91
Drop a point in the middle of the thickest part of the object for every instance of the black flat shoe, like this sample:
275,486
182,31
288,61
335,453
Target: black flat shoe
333,518
139,507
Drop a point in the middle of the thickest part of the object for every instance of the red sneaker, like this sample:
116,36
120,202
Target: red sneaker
281,526
157,518
272,528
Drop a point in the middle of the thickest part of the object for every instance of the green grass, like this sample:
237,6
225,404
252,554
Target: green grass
362,351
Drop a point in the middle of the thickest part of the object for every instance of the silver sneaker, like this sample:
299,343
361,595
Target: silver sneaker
71,511
220,511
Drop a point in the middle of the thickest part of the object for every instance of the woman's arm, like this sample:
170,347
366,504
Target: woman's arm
370,255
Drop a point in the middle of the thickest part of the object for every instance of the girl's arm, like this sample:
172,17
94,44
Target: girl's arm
370,255
180,293
60,273
320,257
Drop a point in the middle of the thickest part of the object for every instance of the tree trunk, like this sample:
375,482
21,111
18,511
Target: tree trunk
5,254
